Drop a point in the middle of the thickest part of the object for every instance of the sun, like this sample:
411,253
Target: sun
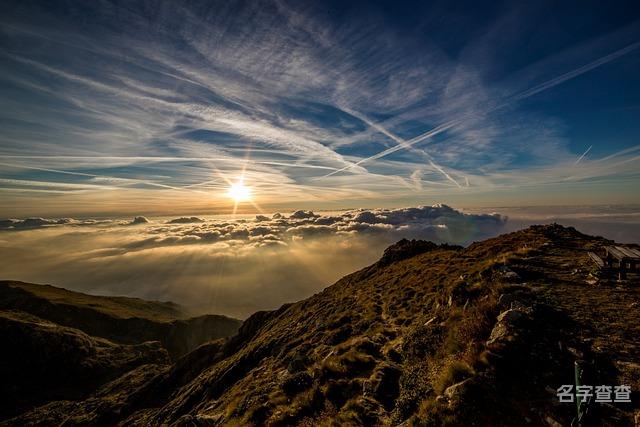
239,192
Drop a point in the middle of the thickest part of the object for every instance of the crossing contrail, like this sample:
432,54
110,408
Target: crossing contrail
402,144
583,154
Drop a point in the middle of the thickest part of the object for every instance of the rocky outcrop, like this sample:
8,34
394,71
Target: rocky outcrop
405,249
509,323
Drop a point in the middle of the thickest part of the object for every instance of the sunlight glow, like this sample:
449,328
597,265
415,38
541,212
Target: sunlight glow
239,192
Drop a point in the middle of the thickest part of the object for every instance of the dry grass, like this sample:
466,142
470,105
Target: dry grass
381,345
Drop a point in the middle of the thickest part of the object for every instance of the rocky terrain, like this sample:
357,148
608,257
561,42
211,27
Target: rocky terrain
61,344
430,335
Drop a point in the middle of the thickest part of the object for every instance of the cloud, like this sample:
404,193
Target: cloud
30,223
239,266
227,266
439,223
302,215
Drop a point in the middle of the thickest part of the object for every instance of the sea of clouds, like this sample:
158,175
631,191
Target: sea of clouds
227,266
238,266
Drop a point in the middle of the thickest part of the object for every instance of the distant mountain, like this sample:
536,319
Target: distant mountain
120,319
430,335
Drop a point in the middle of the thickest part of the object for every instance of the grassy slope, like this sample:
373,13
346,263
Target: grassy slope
406,341
119,307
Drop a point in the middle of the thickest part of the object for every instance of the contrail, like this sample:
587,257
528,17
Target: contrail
401,143
583,154
131,180
446,175
407,144
516,97
373,125
578,71
170,159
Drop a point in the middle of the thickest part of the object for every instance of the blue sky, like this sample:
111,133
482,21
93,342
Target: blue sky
156,107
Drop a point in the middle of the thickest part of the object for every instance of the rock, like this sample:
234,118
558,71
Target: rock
517,305
139,220
508,274
511,316
507,325
500,332
451,391
298,362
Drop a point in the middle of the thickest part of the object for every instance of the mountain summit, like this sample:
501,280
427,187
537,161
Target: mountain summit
429,335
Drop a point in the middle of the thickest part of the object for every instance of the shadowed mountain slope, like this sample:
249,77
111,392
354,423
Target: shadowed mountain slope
430,335
43,361
119,319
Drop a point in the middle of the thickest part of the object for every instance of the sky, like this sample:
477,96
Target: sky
233,156
155,108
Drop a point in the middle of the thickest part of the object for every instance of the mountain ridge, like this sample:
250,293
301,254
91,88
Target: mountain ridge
431,335
119,319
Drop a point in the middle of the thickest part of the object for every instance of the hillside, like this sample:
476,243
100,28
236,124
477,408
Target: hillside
116,307
119,319
429,335
60,344
43,361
